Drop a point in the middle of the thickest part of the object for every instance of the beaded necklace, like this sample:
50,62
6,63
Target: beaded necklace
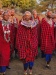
6,30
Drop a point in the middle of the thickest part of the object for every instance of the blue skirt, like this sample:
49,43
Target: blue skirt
2,69
48,57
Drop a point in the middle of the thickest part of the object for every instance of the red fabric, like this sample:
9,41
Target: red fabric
55,36
15,33
27,43
47,37
4,49
39,31
13,36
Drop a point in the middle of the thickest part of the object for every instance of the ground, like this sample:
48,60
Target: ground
39,69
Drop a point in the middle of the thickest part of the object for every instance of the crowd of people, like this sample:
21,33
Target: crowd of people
25,36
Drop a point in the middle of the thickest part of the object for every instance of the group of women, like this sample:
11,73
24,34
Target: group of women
25,36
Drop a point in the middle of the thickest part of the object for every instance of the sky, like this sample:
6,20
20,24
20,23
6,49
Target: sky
38,1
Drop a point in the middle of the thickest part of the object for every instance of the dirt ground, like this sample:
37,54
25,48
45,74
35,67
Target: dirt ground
38,69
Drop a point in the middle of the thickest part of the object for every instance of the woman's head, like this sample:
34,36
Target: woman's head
5,16
27,15
49,14
34,12
12,12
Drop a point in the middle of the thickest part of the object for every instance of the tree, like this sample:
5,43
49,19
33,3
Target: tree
14,2
30,4
48,4
6,3
27,4
23,4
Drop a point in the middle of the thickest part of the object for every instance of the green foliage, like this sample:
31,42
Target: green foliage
23,4
27,4
6,3
30,4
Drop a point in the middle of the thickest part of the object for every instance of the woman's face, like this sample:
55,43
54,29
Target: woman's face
49,14
6,16
27,17
35,14
12,12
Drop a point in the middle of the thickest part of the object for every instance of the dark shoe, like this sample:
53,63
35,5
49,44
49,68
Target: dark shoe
8,67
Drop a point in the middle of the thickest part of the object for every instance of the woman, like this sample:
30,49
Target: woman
54,19
37,19
27,42
14,21
4,43
47,37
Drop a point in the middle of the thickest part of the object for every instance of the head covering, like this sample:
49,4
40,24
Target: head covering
5,12
34,11
4,22
27,13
